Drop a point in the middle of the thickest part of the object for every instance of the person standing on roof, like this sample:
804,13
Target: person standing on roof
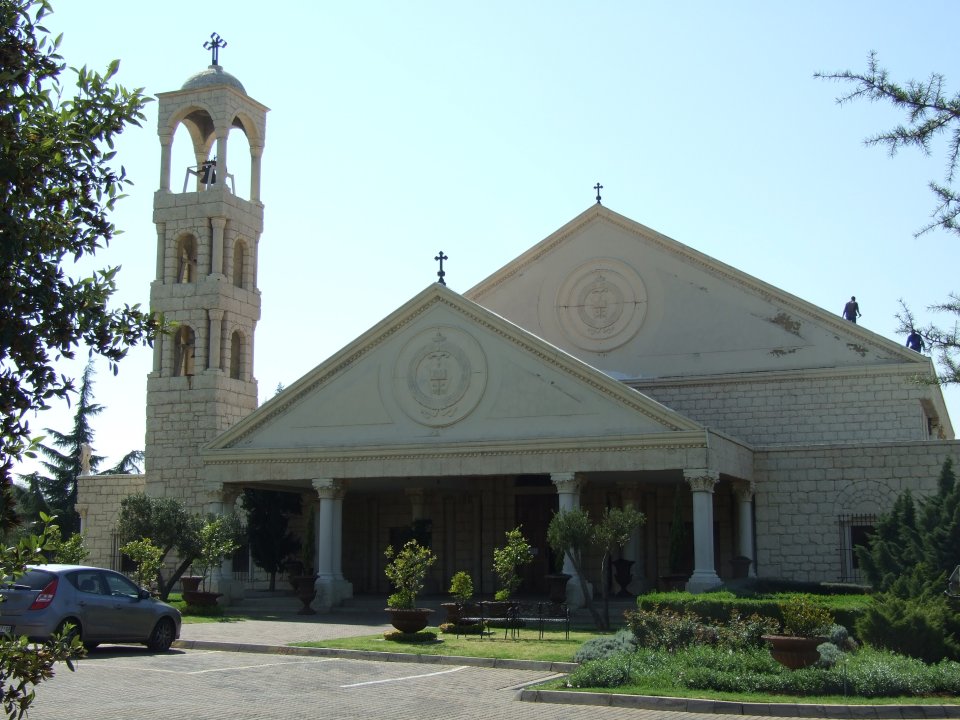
851,311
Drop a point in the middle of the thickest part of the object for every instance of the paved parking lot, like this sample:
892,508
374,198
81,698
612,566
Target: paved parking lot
133,684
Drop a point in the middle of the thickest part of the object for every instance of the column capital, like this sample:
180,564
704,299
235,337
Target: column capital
566,482
328,488
218,222
744,490
701,479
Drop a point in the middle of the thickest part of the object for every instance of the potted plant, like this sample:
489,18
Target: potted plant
217,538
461,589
805,623
407,570
558,579
507,561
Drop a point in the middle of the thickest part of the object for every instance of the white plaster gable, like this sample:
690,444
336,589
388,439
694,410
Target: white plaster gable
637,304
444,370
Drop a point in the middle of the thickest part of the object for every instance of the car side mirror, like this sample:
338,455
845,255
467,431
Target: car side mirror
143,594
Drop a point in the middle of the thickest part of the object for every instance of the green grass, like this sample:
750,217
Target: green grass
553,648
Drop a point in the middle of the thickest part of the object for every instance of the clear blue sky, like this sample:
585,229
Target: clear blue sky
399,129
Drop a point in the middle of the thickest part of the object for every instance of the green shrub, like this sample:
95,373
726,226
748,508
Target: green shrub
609,672
607,646
916,627
668,630
424,636
745,632
830,655
805,617
716,607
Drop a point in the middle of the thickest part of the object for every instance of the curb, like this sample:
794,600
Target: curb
729,707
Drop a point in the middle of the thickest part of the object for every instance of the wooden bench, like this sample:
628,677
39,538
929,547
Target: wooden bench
516,616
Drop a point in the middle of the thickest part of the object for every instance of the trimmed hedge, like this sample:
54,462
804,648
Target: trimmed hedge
716,607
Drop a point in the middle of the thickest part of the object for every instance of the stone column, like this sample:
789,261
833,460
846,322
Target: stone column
256,153
744,491
634,549
329,526
166,147
568,491
221,501
161,276
216,340
218,225
222,156
702,483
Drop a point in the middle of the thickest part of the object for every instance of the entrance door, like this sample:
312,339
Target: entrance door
533,513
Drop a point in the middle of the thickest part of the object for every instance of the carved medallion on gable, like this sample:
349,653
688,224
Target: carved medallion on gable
602,304
440,376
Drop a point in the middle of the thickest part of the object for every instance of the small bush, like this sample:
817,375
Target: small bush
664,629
603,647
741,632
424,636
805,617
830,655
609,672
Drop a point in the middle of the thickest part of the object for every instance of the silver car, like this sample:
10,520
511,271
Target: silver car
103,606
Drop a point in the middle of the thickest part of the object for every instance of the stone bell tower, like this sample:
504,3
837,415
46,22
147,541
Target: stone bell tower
208,236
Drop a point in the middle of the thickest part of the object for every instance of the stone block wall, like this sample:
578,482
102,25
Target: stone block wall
801,492
803,408
98,503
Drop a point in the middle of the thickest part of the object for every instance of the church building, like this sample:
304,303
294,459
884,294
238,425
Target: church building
607,366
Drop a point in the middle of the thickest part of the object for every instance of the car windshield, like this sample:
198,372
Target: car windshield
33,579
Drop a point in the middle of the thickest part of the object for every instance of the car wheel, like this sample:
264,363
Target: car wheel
91,645
162,636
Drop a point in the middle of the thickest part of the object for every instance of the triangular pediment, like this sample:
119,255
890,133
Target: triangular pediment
637,304
443,370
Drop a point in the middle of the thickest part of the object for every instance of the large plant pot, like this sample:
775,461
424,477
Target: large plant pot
200,598
305,588
190,583
792,651
409,620
557,587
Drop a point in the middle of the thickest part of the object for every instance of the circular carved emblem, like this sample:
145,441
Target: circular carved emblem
602,305
440,376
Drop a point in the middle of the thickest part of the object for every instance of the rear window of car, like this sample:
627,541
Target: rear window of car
33,579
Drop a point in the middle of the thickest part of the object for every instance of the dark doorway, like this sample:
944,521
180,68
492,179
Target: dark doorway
533,513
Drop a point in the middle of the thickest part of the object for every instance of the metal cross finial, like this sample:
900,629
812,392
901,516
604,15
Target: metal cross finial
213,45
598,187
440,258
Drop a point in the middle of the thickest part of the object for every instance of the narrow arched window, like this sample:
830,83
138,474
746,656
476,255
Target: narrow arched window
239,261
183,350
187,259
236,355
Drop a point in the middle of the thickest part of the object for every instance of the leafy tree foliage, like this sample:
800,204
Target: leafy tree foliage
572,531
63,454
508,560
931,113
57,187
913,550
168,525
917,544
24,665
268,516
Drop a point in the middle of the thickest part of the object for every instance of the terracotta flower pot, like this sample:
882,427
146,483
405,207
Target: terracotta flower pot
190,583
200,598
792,651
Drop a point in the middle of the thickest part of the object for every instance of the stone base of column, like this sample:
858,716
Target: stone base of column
703,580
331,592
575,598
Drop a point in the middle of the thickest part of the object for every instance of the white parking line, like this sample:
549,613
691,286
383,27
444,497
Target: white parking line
406,677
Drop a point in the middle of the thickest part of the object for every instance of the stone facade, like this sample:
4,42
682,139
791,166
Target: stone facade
608,365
